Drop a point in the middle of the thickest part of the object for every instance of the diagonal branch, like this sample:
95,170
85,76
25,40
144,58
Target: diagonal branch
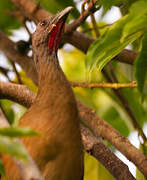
89,118
97,149
104,130
17,93
16,73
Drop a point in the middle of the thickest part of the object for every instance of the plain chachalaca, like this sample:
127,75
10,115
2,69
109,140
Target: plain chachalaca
58,153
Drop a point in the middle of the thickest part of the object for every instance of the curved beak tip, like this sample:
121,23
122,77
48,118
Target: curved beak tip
66,11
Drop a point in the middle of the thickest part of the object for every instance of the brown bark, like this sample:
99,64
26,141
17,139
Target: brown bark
116,167
104,130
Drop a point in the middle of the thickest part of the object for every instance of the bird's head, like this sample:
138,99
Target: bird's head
49,32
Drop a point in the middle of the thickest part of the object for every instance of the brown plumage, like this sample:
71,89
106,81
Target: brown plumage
59,153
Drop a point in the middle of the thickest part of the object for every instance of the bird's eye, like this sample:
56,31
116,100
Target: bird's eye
43,23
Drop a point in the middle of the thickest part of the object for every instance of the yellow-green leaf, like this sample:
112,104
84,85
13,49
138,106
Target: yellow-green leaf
17,132
13,148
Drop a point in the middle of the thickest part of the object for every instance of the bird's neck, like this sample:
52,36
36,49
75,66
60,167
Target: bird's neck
49,70
51,78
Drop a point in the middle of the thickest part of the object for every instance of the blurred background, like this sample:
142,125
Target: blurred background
72,61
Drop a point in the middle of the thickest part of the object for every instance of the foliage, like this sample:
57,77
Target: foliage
141,67
13,148
7,22
117,37
17,132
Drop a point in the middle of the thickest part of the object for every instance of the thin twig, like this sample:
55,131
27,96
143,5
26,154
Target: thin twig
73,26
16,72
5,71
94,24
104,85
27,29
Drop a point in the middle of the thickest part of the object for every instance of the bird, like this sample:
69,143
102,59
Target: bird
59,151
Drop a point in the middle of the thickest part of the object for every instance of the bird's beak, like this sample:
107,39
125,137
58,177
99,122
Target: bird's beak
63,14
56,29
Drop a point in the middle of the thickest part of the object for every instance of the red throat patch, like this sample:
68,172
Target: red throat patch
55,36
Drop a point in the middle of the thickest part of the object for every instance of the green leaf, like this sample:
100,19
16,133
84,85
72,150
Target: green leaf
13,148
2,170
7,108
137,21
108,45
141,67
17,132
117,37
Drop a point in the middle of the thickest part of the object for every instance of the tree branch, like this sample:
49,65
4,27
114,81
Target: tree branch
9,49
73,26
17,93
111,162
16,73
104,85
94,24
27,170
89,118
104,130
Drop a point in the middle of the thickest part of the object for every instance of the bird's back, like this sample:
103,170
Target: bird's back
58,152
